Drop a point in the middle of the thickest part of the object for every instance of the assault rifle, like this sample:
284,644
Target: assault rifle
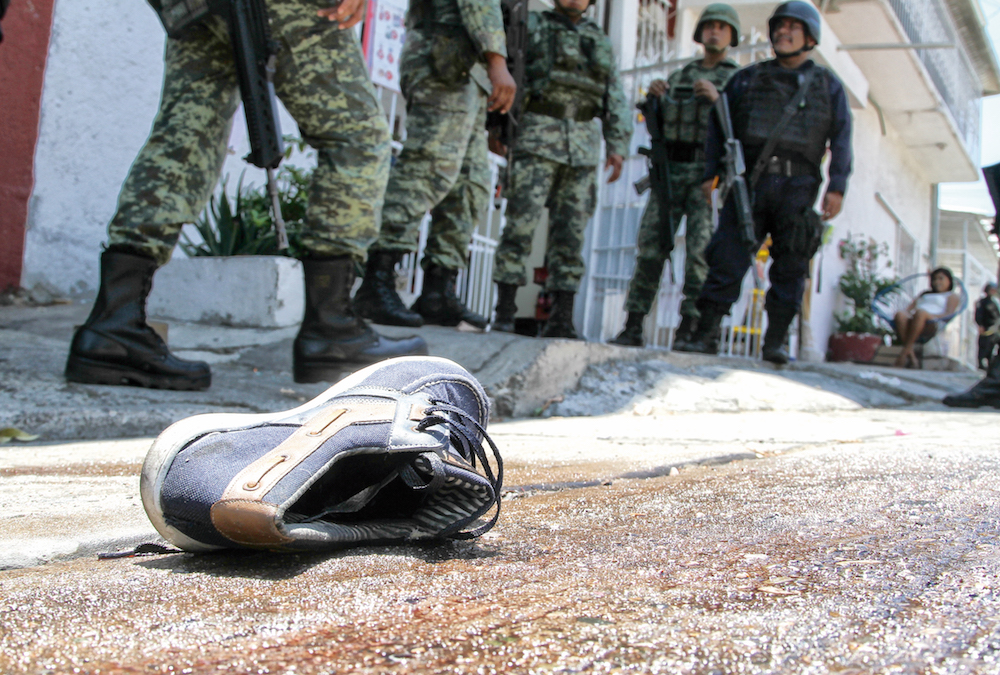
658,177
735,179
503,126
254,54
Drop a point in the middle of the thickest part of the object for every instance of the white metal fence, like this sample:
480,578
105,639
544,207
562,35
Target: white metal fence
928,21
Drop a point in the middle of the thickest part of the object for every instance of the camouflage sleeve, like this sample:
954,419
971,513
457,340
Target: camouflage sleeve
484,22
616,120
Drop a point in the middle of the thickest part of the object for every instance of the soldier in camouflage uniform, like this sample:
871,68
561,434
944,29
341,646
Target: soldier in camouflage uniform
452,70
322,79
571,77
686,99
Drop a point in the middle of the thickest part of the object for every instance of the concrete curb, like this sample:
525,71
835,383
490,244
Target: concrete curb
21,553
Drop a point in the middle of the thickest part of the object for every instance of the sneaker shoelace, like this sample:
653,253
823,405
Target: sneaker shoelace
465,432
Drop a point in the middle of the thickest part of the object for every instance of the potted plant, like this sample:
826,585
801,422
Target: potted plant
234,274
858,333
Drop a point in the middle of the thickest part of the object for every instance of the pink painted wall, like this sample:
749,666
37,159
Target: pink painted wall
26,29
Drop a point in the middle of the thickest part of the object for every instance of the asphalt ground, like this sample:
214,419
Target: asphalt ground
853,541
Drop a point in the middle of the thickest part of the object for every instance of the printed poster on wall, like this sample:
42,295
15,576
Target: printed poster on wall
383,40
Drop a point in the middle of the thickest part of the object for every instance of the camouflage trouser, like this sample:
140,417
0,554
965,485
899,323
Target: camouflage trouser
322,80
570,194
444,168
688,199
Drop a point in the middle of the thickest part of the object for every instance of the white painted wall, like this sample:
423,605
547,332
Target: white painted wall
102,85
101,92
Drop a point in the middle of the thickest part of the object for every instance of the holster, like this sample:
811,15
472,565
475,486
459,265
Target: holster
798,235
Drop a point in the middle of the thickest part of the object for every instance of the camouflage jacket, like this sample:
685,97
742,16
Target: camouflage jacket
685,118
447,40
571,78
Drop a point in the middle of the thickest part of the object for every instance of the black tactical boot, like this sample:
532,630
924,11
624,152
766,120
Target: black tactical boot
334,341
506,308
377,298
560,323
682,335
116,345
773,350
705,337
632,335
438,303
984,392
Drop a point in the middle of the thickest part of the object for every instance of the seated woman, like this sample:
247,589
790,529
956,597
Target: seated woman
920,320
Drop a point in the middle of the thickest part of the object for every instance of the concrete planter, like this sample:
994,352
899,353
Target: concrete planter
239,291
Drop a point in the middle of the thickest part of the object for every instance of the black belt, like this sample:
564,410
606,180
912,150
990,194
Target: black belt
781,166
685,152
562,111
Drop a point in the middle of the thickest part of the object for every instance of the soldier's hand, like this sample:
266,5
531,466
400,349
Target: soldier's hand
706,89
657,88
347,13
504,88
615,164
832,202
706,190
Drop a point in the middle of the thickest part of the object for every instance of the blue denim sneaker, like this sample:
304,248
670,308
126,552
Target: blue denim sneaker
392,453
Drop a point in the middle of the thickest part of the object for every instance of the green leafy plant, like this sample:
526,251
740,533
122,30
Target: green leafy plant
863,279
242,225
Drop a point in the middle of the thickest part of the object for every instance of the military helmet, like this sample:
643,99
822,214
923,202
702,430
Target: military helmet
796,9
719,11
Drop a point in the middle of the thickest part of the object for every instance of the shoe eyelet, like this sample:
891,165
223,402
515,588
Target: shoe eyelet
250,486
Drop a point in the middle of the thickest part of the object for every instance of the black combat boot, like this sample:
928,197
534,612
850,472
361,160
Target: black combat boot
632,335
984,392
682,336
705,337
116,345
438,303
377,298
560,323
506,308
334,341
778,321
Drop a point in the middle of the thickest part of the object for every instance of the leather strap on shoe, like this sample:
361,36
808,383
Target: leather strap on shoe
242,515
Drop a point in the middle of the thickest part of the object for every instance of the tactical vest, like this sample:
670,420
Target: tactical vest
576,59
771,87
685,117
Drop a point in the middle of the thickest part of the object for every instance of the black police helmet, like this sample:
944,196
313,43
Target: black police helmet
796,9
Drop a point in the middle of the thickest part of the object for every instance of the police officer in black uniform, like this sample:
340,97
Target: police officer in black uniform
789,176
